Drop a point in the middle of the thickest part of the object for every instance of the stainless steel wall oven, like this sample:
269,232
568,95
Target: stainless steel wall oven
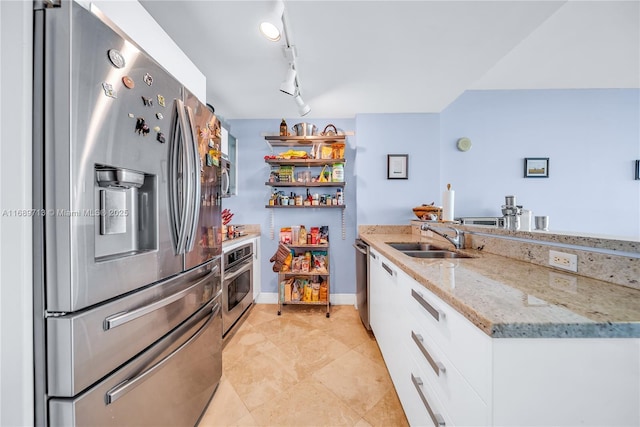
237,284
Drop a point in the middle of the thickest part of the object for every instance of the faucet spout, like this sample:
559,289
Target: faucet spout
457,240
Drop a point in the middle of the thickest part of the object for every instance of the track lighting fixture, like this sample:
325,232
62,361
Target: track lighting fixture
272,26
303,108
289,86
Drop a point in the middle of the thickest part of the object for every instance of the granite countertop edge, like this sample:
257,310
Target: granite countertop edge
494,323
248,236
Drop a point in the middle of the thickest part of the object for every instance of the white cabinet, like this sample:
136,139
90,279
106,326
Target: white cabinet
256,269
561,382
447,371
224,142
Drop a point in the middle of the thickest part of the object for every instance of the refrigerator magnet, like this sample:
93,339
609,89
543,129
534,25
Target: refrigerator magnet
160,138
161,100
109,90
128,82
159,116
116,58
148,79
148,102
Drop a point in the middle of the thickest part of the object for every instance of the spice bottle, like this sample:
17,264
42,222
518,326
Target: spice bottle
283,128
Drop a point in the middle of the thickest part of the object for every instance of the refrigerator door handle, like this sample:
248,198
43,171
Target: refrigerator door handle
121,318
179,179
193,162
128,385
175,180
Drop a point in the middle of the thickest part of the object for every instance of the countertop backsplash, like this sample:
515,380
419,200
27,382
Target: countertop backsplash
611,260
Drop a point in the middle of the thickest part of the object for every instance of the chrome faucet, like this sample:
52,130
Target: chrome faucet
457,241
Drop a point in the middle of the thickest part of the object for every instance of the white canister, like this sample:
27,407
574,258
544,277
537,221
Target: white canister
526,218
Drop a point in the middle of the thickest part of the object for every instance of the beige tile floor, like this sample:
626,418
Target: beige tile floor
303,369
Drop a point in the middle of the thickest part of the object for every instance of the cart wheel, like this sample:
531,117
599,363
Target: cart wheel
278,312
328,315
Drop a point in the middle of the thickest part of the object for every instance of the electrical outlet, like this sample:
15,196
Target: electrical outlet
563,260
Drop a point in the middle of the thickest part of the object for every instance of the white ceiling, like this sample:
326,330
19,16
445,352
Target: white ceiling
401,56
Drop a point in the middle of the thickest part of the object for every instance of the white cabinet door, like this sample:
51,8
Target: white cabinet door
256,269
376,294
566,382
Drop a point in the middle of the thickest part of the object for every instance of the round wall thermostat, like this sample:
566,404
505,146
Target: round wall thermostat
464,144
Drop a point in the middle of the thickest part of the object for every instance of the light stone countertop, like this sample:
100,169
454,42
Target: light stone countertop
508,298
248,236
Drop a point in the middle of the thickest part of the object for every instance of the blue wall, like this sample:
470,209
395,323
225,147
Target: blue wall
592,138
389,201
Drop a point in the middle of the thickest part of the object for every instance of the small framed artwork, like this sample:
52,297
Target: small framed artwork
536,167
397,166
638,169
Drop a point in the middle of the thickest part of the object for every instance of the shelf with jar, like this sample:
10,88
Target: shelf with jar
279,199
312,162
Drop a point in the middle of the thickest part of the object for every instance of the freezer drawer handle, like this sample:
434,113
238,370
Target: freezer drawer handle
437,314
437,418
438,367
121,318
128,385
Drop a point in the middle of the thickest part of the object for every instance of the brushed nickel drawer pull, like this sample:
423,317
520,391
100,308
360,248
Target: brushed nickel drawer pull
389,270
438,367
437,314
437,418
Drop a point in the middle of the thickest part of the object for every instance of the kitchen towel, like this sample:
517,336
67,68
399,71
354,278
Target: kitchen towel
447,204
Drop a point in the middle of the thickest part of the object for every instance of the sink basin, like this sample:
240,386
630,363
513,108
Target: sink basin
414,246
425,250
435,254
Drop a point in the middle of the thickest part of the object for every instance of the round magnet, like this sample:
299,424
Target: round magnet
128,82
156,128
116,58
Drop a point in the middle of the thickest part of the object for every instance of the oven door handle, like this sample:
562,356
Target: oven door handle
245,266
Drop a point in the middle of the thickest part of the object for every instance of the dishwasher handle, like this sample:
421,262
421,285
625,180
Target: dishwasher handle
363,249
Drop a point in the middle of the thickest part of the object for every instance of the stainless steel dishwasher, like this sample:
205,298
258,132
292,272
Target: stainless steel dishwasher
362,280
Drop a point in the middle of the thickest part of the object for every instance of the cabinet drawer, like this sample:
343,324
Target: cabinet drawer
418,398
468,348
459,399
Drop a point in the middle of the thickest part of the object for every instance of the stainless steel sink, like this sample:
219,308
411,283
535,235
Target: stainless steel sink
425,250
414,246
435,254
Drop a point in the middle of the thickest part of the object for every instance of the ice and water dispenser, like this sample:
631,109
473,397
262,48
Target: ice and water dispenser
125,219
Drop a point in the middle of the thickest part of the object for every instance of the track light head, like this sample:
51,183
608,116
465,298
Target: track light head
303,108
271,26
288,85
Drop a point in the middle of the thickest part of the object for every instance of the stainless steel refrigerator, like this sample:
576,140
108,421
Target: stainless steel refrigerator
127,292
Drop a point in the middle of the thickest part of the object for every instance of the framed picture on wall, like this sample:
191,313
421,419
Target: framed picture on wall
536,167
397,166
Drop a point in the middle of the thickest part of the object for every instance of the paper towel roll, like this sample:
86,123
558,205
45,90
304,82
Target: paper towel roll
447,205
